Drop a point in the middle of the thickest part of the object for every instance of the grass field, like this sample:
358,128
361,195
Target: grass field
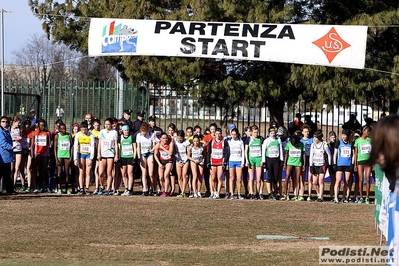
107,230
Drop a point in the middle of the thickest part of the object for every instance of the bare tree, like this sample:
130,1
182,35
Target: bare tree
40,61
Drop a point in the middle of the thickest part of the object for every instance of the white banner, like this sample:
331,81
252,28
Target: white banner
338,46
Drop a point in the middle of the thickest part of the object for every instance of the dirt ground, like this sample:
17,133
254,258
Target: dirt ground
47,229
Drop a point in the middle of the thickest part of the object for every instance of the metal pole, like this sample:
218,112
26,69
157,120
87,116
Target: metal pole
2,60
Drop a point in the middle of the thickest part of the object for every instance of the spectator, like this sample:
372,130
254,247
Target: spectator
139,121
6,154
352,124
59,112
296,124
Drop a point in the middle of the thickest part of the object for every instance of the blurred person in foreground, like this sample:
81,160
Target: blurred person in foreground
384,153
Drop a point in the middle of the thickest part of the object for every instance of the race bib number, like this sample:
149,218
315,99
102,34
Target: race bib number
236,152
41,141
164,155
318,158
127,150
84,148
345,152
65,145
182,151
295,153
255,151
217,153
145,147
106,143
274,152
365,148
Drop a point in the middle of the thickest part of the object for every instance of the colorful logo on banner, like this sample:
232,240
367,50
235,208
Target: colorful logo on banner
331,44
119,38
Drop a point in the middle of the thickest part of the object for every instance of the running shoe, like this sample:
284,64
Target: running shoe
191,195
199,194
41,190
172,193
59,192
95,192
361,200
232,196
106,193
309,199
116,193
367,201
68,192
49,190
294,198
253,197
212,195
217,196
27,190
22,190
345,200
240,197
227,195
336,200
87,191
80,191
164,194
179,196
320,199
283,198
100,191
300,198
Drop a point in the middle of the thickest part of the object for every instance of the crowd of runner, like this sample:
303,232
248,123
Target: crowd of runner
112,152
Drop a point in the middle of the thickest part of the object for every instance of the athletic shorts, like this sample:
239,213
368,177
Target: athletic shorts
126,161
315,170
146,155
255,161
83,156
362,163
184,162
165,162
17,152
106,158
235,164
344,169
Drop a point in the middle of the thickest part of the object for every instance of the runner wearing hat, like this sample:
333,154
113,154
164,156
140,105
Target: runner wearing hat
272,158
127,155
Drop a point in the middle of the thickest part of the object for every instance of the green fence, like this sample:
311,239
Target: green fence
75,98
106,100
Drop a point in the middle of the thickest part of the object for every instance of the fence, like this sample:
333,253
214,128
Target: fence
109,99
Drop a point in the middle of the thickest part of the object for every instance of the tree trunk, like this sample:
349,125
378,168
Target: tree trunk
276,108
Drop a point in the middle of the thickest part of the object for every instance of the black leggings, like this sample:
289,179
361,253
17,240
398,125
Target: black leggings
273,168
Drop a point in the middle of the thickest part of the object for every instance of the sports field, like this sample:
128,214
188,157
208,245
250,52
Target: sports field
47,229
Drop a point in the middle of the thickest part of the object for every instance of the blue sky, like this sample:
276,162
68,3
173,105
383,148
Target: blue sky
19,25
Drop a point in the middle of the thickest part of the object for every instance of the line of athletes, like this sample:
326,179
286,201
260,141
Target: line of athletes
164,156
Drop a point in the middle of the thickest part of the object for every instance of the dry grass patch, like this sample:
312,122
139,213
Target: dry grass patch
75,230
